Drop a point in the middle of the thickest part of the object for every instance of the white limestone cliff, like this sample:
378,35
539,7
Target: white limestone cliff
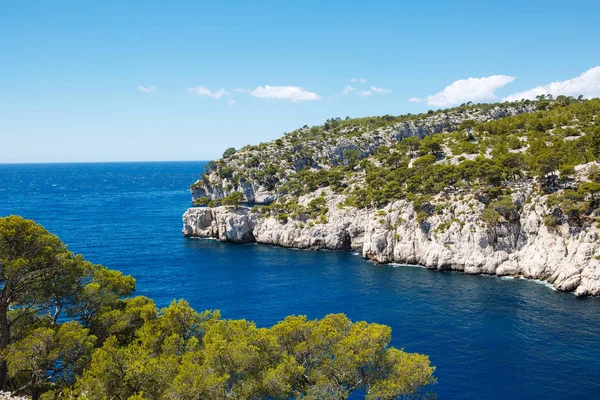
453,238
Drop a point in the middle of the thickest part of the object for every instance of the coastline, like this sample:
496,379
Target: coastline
397,265
564,258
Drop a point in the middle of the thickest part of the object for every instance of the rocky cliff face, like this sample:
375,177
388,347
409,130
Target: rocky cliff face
453,238
248,166
503,189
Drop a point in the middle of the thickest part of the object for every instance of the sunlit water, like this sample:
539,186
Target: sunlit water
489,338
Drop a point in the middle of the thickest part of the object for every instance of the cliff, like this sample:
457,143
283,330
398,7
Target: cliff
454,239
257,171
507,190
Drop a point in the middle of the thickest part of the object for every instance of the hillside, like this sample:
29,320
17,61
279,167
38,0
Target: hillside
505,189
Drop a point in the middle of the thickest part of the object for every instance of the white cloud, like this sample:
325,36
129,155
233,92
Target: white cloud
416,100
240,90
358,80
292,93
586,84
380,90
465,90
348,89
230,102
147,89
365,93
203,91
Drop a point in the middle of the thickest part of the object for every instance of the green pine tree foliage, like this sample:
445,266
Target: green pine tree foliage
69,329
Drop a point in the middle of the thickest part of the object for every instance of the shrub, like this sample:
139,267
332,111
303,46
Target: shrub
233,199
202,201
490,216
282,217
229,152
197,185
317,206
551,221
421,216
566,172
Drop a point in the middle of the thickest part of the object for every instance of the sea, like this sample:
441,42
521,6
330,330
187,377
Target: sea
489,338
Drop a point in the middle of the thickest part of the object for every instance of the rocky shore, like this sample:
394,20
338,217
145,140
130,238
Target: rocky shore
510,189
568,258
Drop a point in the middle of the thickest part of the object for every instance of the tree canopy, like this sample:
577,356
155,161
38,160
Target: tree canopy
43,284
70,329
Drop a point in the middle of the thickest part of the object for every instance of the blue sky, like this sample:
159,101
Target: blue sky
184,80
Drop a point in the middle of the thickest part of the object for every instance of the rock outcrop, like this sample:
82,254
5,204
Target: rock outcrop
454,238
509,189
249,164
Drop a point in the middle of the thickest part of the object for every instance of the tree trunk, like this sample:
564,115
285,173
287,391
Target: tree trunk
4,342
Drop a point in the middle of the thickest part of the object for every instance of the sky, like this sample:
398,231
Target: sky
87,81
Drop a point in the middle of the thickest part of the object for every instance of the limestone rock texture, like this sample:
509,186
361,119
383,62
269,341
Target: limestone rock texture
249,168
453,238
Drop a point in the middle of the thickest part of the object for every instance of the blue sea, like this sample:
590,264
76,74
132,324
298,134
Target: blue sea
489,338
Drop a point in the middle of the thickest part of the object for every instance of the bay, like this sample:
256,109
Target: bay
489,338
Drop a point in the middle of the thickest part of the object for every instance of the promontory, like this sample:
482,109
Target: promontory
510,189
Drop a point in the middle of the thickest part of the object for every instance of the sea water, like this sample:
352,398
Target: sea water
489,338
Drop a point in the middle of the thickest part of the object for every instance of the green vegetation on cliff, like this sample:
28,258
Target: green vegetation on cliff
529,145
68,329
484,148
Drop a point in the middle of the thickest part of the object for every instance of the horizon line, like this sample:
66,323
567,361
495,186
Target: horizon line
99,162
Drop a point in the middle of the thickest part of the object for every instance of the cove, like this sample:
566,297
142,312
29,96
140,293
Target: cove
488,337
